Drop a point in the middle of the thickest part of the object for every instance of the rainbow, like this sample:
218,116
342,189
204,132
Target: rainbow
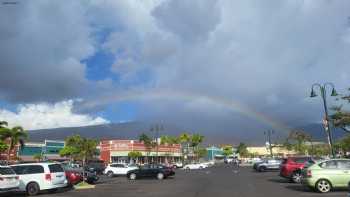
189,96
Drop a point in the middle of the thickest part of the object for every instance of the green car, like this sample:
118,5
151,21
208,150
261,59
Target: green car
325,175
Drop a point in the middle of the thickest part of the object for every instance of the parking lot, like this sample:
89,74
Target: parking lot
216,181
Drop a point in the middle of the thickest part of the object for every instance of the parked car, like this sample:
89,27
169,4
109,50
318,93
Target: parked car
118,169
267,165
209,163
253,160
35,177
97,166
91,177
73,173
291,168
177,165
323,176
9,181
151,171
228,159
195,166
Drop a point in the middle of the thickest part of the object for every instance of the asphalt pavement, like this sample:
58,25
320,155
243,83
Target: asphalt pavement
217,181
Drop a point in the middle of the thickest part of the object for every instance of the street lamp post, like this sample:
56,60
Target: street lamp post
269,133
323,90
156,129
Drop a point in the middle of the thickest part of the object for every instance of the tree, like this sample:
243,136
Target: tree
148,142
318,150
227,150
3,146
164,139
242,150
341,117
296,141
201,152
134,155
38,157
15,136
79,148
343,145
196,140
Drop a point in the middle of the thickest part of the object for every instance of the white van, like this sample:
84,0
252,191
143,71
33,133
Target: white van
8,179
35,177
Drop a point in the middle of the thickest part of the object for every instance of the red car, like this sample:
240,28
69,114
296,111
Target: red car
291,168
73,177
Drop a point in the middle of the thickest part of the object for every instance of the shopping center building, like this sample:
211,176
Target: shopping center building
117,151
49,149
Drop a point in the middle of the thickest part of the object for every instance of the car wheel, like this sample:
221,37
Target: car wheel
160,176
110,174
33,189
262,169
188,168
296,177
132,176
323,186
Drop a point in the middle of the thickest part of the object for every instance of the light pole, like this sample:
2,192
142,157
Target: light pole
269,133
156,129
323,90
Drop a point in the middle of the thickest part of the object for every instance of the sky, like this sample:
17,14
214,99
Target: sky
215,65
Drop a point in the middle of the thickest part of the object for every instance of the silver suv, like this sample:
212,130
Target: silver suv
267,164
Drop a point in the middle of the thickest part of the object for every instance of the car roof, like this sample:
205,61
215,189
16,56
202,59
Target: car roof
29,164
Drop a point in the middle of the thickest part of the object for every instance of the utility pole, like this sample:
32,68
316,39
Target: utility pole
156,129
268,134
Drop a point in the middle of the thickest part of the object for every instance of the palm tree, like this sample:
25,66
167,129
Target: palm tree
15,136
185,138
196,140
3,144
3,124
147,141
173,140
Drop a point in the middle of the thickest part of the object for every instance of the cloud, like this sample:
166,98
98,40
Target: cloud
44,115
42,45
263,54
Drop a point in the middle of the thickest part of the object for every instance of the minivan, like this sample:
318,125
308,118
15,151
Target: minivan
35,177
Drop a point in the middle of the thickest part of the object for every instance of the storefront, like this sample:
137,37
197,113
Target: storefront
49,149
215,153
117,151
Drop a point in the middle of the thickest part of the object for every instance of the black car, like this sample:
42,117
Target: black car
91,177
97,166
151,171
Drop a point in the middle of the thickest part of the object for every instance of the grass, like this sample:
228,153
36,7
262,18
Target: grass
84,185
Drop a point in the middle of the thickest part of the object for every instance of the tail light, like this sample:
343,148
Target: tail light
48,177
308,173
17,177
1,179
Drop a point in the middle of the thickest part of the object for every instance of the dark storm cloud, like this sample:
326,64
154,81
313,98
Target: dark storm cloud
264,55
42,44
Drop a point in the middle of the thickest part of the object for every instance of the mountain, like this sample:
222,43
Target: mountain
318,133
131,130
